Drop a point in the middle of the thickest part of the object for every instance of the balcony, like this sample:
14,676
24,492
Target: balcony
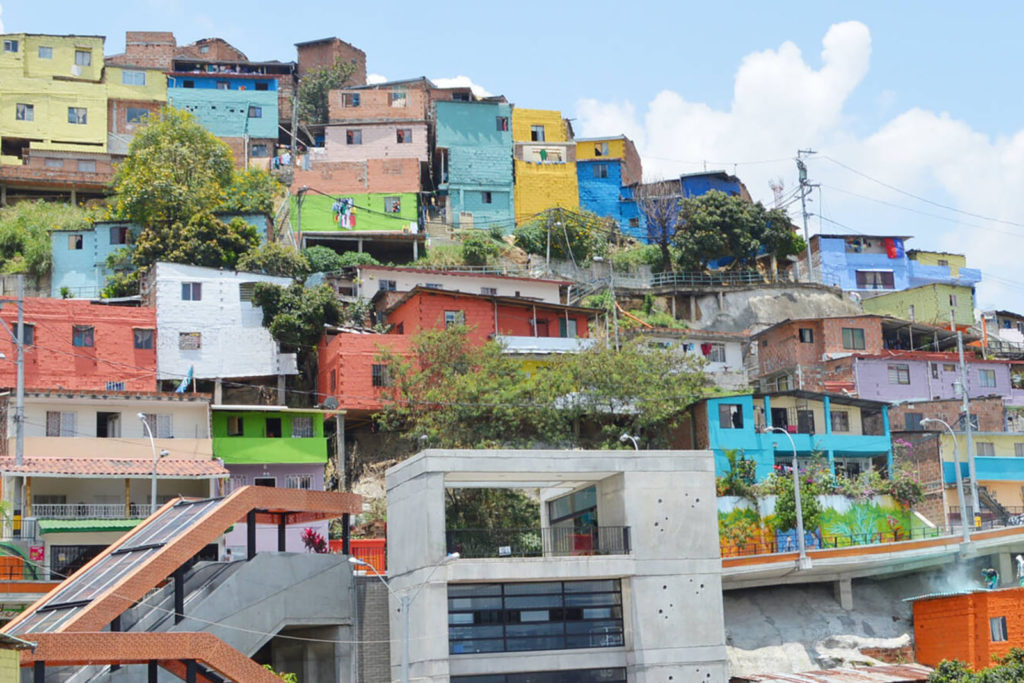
89,511
538,542
529,345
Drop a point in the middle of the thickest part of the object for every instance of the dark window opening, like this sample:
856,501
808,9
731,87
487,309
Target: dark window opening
274,428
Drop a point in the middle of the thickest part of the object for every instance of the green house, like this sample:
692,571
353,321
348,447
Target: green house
268,435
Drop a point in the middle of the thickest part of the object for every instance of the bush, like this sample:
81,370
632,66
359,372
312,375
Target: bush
274,258
25,234
322,259
577,235
479,249
443,256
625,260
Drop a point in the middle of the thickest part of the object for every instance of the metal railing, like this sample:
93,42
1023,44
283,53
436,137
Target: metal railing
539,542
89,511
828,542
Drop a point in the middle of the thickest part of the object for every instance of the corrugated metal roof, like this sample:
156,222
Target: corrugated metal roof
949,594
894,673
49,526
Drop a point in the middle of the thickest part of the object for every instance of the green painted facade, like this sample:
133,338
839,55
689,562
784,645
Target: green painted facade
929,304
254,447
370,213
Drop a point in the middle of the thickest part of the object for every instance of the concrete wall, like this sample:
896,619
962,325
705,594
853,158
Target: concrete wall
932,379
931,304
370,212
189,419
369,176
543,186
234,342
604,195
266,534
225,113
345,367
754,308
379,141
407,278
555,128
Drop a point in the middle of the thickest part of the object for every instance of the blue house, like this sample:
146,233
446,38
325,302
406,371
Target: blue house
474,158
608,171
230,105
851,434
79,266
685,186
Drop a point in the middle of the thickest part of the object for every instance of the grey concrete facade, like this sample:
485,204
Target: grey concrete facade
670,578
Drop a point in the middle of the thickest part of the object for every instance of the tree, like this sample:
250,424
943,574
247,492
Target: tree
296,315
577,235
251,191
785,507
324,259
479,248
202,240
659,204
274,258
316,86
25,234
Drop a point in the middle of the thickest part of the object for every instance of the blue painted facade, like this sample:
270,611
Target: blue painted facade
80,258
224,81
763,448
697,184
229,106
601,191
476,167
841,256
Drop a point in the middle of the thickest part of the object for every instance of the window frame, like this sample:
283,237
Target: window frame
191,291
24,111
303,433
988,446
717,352
83,336
839,420
354,136
898,373
11,46
732,410
403,136
986,378
600,170
132,77
255,112
133,115
83,57
806,335
850,338
380,375
501,124
453,318
28,335
47,55
997,632
142,341
78,116
537,133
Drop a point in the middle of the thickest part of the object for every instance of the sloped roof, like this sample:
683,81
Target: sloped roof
167,468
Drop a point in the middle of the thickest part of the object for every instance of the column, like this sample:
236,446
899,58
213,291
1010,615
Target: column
828,433
844,593
127,498
885,428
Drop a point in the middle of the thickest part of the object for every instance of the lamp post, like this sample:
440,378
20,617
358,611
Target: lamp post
802,561
959,479
156,459
404,600
629,437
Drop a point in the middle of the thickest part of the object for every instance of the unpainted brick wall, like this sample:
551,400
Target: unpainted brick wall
324,53
374,631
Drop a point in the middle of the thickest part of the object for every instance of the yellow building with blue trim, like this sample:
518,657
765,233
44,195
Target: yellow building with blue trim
544,163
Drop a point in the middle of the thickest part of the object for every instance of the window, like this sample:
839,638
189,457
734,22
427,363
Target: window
537,133
997,626
60,423
577,510
350,99
607,675
601,149
82,335
392,204
259,150
806,335
875,279
634,222
1018,449
840,421
501,122
188,84
435,285
453,318
299,481
600,170
899,373
45,52
912,421
262,85
952,299
518,617
86,166
115,386
143,338
960,426
236,482
730,416
246,291
28,334
10,46
274,428
935,370
53,163
805,421
387,285
354,137
334,380
255,112
853,338
119,234
83,57
131,77
943,262
987,377
269,482
717,353
486,197
403,136
190,341
398,99
24,112
223,85
302,428
381,375
984,449
191,291
567,328
204,49
77,115
135,114
236,425
75,242
489,291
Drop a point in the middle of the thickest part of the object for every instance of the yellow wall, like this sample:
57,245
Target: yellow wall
155,89
616,149
544,186
1002,444
63,60
10,665
932,258
554,127
818,408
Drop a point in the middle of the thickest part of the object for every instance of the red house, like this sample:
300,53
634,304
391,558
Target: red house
972,627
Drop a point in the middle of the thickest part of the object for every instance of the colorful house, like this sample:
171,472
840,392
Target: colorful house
657,199
934,304
545,163
972,626
474,162
271,446
852,434
608,171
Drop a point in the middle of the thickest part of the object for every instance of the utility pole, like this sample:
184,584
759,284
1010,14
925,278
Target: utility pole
968,429
295,122
547,257
19,406
805,188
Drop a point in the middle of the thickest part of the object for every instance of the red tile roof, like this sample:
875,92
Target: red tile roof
167,468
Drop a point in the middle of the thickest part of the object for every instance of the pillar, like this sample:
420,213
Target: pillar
28,498
218,392
282,528
127,498
154,671
844,593
339,436
1007,570
885,428
282,399
250,534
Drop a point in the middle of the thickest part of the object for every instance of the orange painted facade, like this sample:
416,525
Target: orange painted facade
54,361
345,368
960,626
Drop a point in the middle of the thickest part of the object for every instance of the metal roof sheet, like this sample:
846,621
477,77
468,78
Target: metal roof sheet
895,673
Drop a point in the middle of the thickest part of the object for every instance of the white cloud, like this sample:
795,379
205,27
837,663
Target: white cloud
461,82
781,104
373,79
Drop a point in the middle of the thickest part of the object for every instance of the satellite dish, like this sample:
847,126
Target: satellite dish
331,403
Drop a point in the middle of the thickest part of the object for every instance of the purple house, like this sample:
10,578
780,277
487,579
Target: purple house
912,375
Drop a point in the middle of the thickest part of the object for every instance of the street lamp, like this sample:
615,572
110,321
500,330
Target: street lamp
156,459
959,479
404,600
629,437
802,561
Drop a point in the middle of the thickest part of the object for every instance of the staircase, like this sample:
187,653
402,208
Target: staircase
986,499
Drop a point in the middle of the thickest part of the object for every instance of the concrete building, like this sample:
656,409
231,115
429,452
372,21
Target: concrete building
621,582
947,305
608,171
724,352
474,162
545,163
208,327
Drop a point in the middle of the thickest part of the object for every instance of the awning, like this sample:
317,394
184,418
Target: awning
118,468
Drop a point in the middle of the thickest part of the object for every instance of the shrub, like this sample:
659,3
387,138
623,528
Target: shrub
479,249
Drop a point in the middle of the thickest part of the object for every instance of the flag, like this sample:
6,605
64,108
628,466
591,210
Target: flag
185,382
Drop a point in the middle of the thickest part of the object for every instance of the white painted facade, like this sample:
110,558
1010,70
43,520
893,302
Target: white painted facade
231,341
368,283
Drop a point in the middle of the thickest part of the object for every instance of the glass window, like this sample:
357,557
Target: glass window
806,335
260,150
302,428
131,77
486,197
489,291
10,46
387,285
380,375
577,509
86,166
853,338
82,335
119,234
255,112
83,57
354,137
223,85
1018,449
840,421
717,353
875,279
77,115
24,112
135,114
398,99
236,425
299,481
143,338
75,242
453,318
45,52
60,423
350,99
191,291
537,133
116,386
997,626
912,421
54,163
392,204
985,449
730,415
987,377
899,373
403,136
274,428
161,424
28,335
501,123
600,170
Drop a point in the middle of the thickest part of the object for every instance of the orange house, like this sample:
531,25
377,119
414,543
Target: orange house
81,345
972,627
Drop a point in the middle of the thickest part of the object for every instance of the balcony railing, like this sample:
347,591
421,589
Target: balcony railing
539,542
89,511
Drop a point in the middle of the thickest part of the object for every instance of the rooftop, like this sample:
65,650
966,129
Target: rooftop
508,300
892,673
171,467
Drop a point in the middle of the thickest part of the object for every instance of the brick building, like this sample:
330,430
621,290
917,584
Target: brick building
972,627
315,54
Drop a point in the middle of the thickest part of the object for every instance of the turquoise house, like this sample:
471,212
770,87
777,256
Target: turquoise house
229,105
851,434
474,152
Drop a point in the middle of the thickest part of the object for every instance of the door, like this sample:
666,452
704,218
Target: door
805,422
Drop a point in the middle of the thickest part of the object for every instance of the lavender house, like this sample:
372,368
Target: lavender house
909,375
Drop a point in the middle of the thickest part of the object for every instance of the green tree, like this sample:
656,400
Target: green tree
274,258
202,240
478,248
316,86
577,235
25,233
296,315
785,507
251,191
490,509
322,259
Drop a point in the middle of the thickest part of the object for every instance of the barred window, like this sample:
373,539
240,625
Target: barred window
299,481
302,427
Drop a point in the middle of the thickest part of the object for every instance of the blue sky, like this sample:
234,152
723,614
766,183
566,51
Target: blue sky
921,96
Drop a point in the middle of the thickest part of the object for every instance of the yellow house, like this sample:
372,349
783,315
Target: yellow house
539,125
545,163
998,460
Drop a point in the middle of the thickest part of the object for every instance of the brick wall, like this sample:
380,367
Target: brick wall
323,53
989,410
117,114
780,347
373,175
35,169
345,369
152,49
374,630
924,459
237,146
218,50
377,105
957,627
544,186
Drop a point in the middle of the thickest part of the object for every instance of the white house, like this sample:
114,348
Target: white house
206,322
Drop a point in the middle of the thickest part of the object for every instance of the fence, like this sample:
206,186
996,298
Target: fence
89,511
372,551
538,542
788,544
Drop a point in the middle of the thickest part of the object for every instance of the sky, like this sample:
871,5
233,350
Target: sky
913,108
